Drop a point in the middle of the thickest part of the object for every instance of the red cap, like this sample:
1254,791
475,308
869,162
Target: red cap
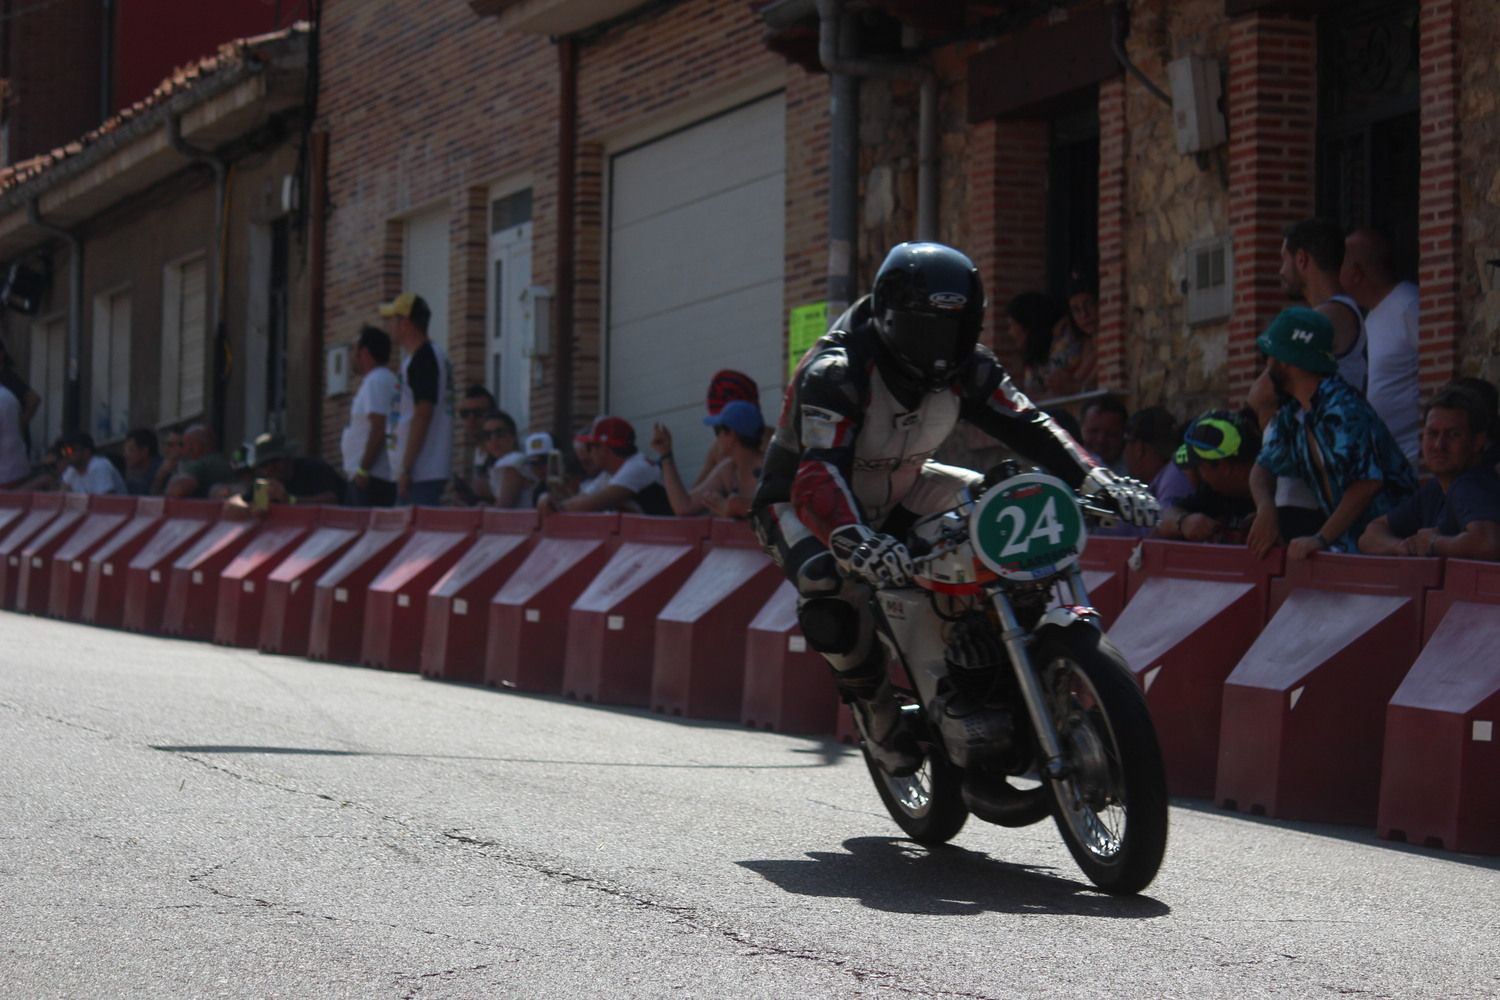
729,385
612,432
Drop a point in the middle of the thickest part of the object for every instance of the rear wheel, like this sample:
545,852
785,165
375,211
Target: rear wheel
927,804
1112,806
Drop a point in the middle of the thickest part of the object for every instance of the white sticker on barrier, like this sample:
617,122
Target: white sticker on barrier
156,576
36,562
460,606
796,643
616,622
249,586
340,595
1151,676
197,577
295,585
1484,731
1296,697
14,561
109,569
403,600
533,615
77,566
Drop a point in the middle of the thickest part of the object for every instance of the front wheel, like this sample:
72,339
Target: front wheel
928,804
1112,806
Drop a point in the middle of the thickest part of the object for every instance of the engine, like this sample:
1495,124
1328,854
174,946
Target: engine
974,707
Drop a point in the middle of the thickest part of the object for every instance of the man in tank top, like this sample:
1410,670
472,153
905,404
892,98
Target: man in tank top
1311,255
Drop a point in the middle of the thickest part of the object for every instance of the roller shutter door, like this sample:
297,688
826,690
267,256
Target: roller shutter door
696,259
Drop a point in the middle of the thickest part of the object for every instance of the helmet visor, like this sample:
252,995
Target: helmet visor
932,346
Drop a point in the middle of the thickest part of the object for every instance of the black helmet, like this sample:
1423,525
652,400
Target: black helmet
928,307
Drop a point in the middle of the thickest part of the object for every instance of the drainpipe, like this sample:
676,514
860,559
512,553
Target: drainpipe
1119,17
71,397
220,168
836,36
567,151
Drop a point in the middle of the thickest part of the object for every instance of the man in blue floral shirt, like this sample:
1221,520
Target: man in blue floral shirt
1326,435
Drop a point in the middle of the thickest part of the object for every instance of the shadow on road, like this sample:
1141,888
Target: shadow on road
826,760
885,873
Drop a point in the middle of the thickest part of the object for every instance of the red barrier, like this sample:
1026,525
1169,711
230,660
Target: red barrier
31,582
193,586
612,624
1304,711
287,616
13,507
70,562
1440,773
1105,563
44,507
1193,613
338,626
146,576
699,666
242,583
457,632
529,615
396,604
788,688
104,587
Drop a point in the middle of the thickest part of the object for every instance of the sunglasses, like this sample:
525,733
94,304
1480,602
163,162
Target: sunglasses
496,432
470,411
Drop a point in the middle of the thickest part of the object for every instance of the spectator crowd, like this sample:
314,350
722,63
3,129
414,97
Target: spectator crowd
1322,454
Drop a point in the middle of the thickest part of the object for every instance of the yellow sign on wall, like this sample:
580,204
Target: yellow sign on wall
805,324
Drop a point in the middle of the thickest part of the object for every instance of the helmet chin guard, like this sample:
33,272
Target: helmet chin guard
928,307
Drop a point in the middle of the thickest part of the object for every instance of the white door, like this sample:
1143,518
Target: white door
110,378
696,257
425,268
507,360
49,343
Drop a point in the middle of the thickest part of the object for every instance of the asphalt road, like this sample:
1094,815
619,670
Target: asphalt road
182,820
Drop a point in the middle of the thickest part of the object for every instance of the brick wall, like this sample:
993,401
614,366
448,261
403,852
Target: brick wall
1007,212
1272,103
1113,145
1479,189
1439,225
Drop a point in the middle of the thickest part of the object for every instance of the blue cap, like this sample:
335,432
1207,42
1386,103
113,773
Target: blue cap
740,416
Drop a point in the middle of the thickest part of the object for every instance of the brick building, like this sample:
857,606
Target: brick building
167,255
609,200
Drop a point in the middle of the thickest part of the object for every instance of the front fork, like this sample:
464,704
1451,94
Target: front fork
1054,765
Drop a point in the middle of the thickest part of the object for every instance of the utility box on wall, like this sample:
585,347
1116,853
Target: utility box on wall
1196,116
1209,285
336,371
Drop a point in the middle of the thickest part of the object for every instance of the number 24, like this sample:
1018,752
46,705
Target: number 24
1046,526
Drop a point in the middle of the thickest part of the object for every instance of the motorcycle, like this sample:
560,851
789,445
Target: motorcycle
1020,705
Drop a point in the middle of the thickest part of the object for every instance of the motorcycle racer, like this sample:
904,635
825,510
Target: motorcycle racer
850,469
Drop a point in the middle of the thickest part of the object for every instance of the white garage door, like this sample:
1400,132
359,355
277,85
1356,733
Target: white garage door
696,254
425,268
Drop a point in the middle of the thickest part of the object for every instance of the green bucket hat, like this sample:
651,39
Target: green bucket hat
1303,338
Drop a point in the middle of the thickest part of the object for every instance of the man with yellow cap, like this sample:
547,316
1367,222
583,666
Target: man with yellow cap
422,426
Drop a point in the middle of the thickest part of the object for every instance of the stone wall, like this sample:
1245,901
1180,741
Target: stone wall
1479,188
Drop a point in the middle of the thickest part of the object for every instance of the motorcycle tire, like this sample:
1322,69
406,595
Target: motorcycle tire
929,804
1112,807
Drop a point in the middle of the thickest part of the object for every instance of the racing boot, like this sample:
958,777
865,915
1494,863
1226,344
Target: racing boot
887,733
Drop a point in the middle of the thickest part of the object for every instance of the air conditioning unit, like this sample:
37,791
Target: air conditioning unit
1210,280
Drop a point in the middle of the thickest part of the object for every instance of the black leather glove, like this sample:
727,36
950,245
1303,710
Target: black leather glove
879,560
1128,496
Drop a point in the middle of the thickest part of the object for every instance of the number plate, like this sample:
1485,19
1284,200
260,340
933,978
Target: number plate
1028,527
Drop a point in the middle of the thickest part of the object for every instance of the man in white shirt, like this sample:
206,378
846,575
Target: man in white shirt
1391,314
366,464
423,456
88,472
1312,255
634,483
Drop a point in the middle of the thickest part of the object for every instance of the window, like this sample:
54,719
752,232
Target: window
109,390
49,344
184,339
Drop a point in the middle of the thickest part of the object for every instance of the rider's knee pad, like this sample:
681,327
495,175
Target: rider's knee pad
818,576
829,625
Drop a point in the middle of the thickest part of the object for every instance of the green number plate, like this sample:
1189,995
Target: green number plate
1028,527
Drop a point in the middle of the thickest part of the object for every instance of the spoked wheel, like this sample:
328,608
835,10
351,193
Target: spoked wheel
1112,806
928,804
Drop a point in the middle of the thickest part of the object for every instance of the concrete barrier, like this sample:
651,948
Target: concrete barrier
337,629
1194,612
146,575
287,614
396,600
104,583
36,554
612,624
699,663
456,635
193,585
44,508
1304,710
242,583
528,616
788,688
68,575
